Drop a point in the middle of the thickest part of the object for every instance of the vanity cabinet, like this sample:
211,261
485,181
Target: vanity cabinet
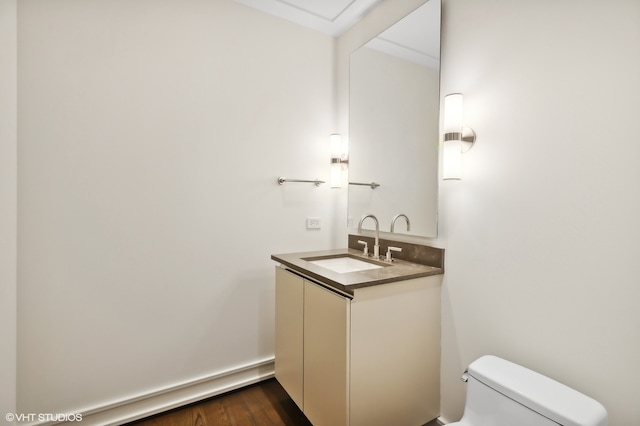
372,358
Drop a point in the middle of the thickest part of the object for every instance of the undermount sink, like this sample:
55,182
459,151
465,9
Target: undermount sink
343,264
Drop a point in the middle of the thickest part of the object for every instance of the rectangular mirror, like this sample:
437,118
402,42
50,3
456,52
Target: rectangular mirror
394,110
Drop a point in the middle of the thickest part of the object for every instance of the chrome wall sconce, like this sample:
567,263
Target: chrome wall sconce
457,139
339,158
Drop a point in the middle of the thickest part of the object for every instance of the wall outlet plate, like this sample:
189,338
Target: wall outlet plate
313,223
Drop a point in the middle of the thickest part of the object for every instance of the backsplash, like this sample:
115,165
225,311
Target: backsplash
417,253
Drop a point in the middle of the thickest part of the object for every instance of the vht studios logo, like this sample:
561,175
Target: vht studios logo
43,417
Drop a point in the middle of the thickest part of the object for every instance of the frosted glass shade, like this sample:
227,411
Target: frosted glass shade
338,154
336,175
452,145
336,145
453,113
452,159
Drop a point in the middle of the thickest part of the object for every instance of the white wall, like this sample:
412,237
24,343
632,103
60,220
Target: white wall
542,232
151,134
8,154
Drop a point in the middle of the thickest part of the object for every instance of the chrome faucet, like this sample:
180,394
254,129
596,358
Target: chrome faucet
396,217
376,245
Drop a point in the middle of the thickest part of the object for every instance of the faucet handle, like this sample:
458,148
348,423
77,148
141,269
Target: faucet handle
365,252
389,250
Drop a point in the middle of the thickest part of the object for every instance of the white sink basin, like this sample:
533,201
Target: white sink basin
344,264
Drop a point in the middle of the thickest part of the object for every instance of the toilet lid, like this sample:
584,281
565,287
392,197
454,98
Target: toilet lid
548,397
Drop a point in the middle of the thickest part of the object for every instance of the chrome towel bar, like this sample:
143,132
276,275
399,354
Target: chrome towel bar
282,180
373,185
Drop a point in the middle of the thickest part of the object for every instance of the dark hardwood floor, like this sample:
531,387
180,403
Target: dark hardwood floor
263,404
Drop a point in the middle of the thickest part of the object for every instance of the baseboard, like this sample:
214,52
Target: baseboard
140,406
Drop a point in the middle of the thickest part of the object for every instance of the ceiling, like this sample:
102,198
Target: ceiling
331,17
415,38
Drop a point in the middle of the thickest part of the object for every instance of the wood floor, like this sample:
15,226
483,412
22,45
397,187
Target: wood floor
263,404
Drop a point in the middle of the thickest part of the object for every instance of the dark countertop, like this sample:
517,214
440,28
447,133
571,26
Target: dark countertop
397,270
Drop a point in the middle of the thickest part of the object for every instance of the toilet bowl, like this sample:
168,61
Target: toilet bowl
501,393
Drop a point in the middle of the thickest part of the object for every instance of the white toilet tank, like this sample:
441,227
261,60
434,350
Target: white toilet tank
501,393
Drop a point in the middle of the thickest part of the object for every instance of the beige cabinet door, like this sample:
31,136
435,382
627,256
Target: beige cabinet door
395,353
326,351
289,349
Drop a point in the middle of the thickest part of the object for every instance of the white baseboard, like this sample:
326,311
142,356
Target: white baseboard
442,421
140,406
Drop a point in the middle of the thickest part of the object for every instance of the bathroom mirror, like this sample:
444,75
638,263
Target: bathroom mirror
394,105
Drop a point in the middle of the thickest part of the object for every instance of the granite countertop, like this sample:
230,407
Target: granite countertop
347,282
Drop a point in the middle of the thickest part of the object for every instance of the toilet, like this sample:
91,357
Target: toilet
501,393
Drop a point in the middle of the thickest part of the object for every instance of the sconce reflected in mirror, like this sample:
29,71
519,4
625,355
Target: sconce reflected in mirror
339,158
457,139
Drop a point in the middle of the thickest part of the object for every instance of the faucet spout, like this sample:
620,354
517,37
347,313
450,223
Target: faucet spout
396,217
376,246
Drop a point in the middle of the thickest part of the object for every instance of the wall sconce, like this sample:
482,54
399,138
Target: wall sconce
457,139
339,158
